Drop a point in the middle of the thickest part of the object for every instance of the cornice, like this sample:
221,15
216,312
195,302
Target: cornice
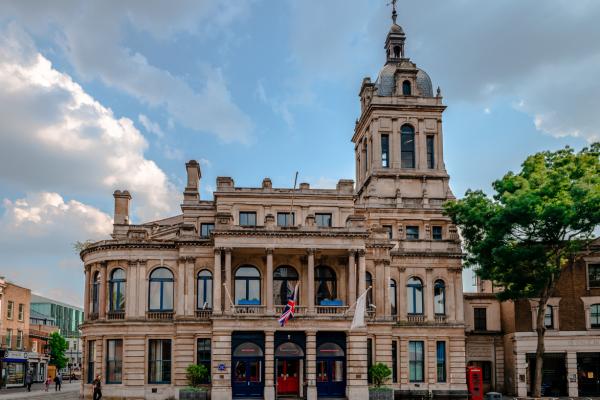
427,254
293,234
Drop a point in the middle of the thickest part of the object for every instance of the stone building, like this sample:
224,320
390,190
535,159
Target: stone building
207,286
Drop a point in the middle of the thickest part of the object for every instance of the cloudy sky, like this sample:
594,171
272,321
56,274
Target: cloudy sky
100,95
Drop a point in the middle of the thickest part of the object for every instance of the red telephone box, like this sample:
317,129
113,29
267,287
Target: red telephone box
475,383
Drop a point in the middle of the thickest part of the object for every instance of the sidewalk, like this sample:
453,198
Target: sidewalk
69,391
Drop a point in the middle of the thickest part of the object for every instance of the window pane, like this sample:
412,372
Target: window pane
430,153
254,289
114,361
436,233
167,296
412,232
385,150
594,275
323,220
206,229
440,298
154,295
240,290
160,361
407,147
441,361
285,219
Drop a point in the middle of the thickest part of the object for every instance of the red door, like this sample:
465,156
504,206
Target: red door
287,377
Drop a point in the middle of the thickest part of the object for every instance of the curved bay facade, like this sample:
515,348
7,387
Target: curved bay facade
207,286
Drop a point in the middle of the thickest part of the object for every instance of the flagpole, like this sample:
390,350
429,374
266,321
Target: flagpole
292,206
229,297
363,293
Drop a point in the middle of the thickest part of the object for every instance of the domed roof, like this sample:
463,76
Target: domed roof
386,82
396,29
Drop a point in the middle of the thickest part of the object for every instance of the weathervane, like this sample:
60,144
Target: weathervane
394,13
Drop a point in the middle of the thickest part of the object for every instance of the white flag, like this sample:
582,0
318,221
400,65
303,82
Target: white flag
359,312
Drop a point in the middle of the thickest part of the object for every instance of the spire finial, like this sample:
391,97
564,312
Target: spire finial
394,13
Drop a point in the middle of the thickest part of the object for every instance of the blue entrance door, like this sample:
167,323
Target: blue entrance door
247,372
331,371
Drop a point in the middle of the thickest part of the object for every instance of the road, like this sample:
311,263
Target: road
70,391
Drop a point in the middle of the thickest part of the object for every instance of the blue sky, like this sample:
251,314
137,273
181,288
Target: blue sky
98,96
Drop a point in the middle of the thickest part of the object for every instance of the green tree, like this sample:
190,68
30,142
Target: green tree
196,374
533,227
58,346
379,374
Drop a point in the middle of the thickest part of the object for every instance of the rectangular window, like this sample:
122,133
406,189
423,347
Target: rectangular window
549,317
286,219
203,355
394,361
206,229
595,316
389,231
114,361
436,233
441,361
366,156
323,220
9,309
412,232
159,360
247,218
480,319
21,315
91,356
416,361
594,275
385,150
9,339
19,339
369,359
430,153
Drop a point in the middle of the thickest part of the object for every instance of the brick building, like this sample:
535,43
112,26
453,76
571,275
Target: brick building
207,285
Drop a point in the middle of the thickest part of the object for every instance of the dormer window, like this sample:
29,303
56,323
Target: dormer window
406,89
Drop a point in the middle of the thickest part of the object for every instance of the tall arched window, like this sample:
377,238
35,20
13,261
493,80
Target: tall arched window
204,299
247,285
393,297
117,290
369,283
161,290
439,297
415,296
407,146
406,88
95,293
326,284
285,279
595,315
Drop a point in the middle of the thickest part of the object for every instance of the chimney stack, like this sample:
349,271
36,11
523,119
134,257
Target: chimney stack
191,192
122,200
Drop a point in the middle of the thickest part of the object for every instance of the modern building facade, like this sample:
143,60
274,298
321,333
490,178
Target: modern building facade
207,286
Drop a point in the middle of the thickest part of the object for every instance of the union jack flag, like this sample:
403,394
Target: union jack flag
290,307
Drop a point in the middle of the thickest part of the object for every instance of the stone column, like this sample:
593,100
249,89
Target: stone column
376,135
142,289
217,283
86,295
190,284
428,295
131,289
572,371
228,281
402,290
362,273
395,144
269,366
311,281
269,290
379,283
356,375
351,277
386,293
180,288
458,297
221,354
311,366
103,290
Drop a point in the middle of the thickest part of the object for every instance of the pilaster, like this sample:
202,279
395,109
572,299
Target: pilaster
270,309
217,283
311,281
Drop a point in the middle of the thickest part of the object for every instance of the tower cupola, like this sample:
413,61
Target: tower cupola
394,43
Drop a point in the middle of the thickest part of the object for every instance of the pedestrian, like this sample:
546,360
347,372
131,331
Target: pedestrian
97,388
28,380
60,380
48,383
55,383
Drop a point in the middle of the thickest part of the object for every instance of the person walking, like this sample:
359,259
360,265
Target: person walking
97,388
47,383
60,381
28,380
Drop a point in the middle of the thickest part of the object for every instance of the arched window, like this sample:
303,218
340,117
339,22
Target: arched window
247,285
330,349
369,283
439,297
204,299
549,317
161,290
326,284
289,349
415,296
285,279
117,290
595,315
248,349
95,293
393,297
407,146
406,88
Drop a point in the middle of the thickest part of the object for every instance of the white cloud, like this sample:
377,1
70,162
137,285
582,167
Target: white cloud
151,126
55,137
205,162
91,33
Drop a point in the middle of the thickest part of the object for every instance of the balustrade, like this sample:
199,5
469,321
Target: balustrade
158,315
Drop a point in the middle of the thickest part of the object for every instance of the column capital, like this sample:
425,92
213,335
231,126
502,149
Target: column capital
352,252
361,252
227,250
218,250
269,250
311,251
